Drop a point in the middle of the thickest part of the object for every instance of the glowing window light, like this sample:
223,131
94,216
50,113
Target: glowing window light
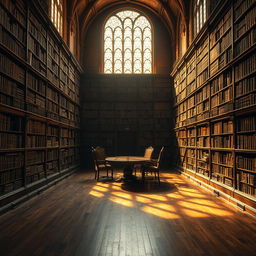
127,44
57,14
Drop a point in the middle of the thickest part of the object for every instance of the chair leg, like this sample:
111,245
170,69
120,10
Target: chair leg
112,174
95,176
143,176
98,175
158,178
107,172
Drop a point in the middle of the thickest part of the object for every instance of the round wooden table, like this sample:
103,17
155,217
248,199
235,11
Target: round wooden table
127,163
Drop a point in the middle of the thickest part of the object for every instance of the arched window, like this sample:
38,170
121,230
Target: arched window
127,44
57,14
199,15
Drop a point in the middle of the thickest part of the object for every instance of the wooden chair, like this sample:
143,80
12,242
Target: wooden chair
153,167
147,154
100,163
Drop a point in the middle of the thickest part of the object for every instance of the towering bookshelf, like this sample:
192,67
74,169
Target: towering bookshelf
215,104
39,102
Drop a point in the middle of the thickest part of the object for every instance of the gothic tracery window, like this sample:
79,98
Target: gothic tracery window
199,15
127,44
57,14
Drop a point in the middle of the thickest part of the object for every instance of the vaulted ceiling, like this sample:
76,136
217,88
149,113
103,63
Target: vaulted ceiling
170,11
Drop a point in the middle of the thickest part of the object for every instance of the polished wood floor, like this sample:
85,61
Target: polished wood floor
82,217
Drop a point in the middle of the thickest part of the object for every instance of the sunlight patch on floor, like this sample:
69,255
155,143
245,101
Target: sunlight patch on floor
121,201
188,200
159,213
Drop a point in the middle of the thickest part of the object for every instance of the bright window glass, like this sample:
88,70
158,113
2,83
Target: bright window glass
127,44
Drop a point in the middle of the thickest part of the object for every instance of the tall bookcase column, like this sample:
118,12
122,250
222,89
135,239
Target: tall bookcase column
229,39
34,83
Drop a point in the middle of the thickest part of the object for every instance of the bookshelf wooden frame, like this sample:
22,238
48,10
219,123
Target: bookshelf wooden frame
232,98
30,94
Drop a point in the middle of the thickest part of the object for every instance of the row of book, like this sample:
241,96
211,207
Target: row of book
191,142
11,123
203,94
37,30
201,78
247,123
241,6
221,97
203,156
245,86
248,178
36,63
36,49
36,99
203,171
12,101
222,127
222,158
52,154
246,162
221,28
203,142
202,50
246,101
7,39
10,141
203,131
16,9
245,67
191,87
191,113
223,179
244,43
10,176
52,142
10,68
35,157
221,46
36,84
247,189
37,127
221,81
246,141
11,25
222,142
11,160
52,131
202,107
222,60
35,141
245,23
52,167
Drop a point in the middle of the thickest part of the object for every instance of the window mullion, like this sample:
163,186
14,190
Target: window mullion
142,53
133,48
122,34
113,52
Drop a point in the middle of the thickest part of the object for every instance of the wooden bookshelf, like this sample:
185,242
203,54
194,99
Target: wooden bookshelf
39,101
215,104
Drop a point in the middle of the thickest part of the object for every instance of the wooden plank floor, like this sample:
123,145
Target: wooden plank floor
81,217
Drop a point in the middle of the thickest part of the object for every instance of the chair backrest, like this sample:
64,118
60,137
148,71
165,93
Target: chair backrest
148,152
100,154
159,157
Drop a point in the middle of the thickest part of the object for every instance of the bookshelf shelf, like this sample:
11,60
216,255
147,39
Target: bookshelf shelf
227,157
